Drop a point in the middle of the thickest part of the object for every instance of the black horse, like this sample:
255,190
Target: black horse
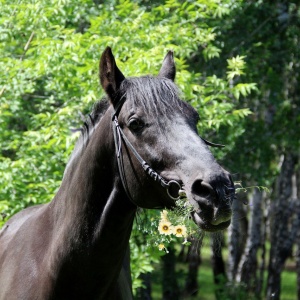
140,148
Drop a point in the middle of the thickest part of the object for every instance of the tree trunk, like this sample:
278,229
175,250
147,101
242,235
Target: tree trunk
237,235
248,264
170,285
218,264
298,233
298,265
262,265
144,293
194,261
283,226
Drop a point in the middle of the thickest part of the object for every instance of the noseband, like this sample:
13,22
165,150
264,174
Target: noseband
119,136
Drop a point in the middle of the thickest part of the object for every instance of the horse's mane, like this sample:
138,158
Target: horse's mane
98,111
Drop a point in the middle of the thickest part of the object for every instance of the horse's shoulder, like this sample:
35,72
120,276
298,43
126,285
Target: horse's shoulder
19,218
15,222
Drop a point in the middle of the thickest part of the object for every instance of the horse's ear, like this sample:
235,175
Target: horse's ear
168,69
110,75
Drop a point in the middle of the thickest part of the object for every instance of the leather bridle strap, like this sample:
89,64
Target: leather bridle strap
145,166
119,136
212,144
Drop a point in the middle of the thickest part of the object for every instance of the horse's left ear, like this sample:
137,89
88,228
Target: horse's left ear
168,69
110,75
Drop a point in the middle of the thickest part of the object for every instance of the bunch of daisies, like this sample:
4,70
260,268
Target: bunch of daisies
176,223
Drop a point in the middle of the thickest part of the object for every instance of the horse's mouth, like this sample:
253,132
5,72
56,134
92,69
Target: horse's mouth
207,225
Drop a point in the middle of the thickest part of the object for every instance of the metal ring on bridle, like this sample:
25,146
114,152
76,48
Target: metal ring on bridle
179,189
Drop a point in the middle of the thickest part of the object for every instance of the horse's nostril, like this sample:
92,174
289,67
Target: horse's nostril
202,189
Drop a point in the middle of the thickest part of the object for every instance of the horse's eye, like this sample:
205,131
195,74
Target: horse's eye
135,125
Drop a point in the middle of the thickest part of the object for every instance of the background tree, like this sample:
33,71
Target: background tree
267,33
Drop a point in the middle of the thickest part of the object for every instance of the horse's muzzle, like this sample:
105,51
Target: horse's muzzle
212,205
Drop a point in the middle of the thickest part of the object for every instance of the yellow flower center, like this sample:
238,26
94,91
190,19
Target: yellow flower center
179,230
161,246
165,227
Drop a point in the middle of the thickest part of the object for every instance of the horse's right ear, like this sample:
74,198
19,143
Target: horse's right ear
168,69
110,75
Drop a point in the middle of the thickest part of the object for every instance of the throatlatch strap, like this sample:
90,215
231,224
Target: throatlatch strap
118,146
118,108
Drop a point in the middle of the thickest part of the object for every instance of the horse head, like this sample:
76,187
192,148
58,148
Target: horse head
153,126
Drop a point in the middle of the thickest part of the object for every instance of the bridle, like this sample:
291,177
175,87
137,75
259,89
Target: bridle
120,137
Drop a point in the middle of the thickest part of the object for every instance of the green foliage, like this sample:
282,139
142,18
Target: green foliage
266,35
149,255
48,77
44,87
231,291
239,188
236,67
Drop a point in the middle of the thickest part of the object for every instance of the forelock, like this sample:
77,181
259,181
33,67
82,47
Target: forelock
160,96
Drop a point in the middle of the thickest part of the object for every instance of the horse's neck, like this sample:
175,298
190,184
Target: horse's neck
91,213
91,182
